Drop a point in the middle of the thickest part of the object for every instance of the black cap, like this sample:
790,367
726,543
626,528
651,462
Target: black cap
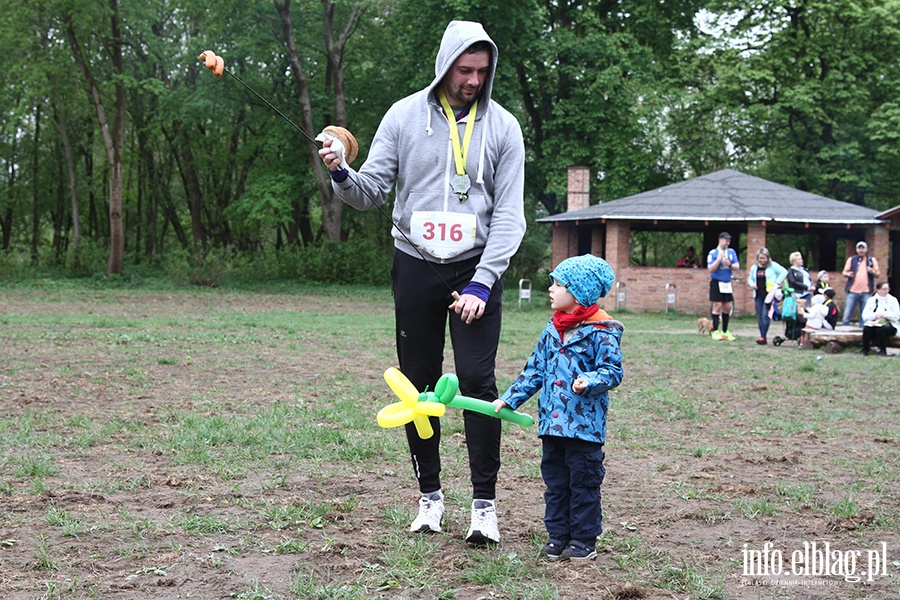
725,235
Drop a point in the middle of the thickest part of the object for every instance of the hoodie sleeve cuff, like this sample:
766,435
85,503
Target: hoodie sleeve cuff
479,290
339,176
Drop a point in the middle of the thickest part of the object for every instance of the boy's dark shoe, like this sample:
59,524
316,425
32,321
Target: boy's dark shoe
578,551
553,549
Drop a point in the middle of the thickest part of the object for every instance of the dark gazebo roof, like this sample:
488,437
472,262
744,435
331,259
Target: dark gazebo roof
725,195
890,213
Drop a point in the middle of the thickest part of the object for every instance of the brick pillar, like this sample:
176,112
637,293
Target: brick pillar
617,233
617,254
879,241
579,188
617,246
565,242
849,250
756,239
560,243
598,241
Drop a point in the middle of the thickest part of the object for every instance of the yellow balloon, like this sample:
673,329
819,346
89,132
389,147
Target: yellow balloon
401,385
409,408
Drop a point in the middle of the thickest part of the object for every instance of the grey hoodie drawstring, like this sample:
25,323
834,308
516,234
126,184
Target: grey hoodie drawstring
428,129
484,128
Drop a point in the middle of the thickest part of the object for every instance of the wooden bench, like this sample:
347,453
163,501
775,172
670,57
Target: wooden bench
836,340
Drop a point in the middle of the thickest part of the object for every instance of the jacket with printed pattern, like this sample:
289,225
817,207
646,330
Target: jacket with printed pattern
591,350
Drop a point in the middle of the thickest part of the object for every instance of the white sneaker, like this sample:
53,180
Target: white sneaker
429,518
483,529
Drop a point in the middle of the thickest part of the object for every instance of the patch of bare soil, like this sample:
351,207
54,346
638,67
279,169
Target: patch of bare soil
119,518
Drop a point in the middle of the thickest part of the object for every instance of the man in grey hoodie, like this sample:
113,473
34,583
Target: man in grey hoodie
457,159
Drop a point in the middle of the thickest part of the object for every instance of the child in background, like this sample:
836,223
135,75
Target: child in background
576,362
832,316
822,282
817,314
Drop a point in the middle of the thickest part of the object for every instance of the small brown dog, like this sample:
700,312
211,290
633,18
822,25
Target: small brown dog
704,326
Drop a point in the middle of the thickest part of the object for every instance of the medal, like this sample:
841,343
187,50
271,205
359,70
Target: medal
460,185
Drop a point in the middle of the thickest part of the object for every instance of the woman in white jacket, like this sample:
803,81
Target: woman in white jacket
881,316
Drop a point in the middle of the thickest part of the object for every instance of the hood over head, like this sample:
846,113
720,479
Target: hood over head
458,36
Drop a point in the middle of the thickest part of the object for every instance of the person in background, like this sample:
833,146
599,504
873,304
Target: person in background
823,282
817,315
799,280
816,318
881,316
860,271
689,260
831,305
576,362
764,276
457,158
720,262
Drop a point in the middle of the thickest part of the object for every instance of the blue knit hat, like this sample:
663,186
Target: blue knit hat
586,277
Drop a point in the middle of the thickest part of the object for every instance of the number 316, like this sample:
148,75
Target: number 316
439,230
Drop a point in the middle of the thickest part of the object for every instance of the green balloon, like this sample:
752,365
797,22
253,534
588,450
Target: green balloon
445,391
488,408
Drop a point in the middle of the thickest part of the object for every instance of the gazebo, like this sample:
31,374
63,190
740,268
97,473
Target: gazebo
749,208
892,215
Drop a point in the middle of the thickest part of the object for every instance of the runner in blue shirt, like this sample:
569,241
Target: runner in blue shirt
720,262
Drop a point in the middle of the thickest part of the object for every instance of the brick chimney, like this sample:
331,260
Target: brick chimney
579,188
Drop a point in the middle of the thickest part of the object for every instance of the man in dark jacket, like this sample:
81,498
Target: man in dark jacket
860,271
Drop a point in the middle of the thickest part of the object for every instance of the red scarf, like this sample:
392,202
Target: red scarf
563,321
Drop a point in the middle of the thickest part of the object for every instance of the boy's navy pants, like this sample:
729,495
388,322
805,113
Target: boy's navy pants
573,471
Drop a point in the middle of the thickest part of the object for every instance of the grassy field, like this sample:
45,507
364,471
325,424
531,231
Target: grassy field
193,443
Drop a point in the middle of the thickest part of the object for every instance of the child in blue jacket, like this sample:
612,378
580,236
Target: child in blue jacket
576,362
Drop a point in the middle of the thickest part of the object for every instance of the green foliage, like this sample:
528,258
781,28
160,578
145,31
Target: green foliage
805,86
346,263
263,206
643,93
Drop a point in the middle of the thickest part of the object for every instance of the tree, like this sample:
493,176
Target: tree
113,134
809,84
335,49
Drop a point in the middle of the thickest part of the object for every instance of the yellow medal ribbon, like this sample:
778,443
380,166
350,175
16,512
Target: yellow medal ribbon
459,151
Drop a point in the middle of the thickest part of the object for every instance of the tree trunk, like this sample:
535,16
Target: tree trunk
184,160
6,219
195,193
116,221
148,188
69,157
35,195
331,206
168,206
113,138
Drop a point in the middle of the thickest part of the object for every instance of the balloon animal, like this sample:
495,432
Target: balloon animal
416,407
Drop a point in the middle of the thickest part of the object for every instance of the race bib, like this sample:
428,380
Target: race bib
725,287
442,234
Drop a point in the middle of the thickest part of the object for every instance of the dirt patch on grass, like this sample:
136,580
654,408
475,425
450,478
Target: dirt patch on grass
186,445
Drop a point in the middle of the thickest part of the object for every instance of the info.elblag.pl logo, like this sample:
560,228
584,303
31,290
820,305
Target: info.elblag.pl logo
816,559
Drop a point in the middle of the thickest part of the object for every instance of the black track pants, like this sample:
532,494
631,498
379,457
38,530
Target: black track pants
420,302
